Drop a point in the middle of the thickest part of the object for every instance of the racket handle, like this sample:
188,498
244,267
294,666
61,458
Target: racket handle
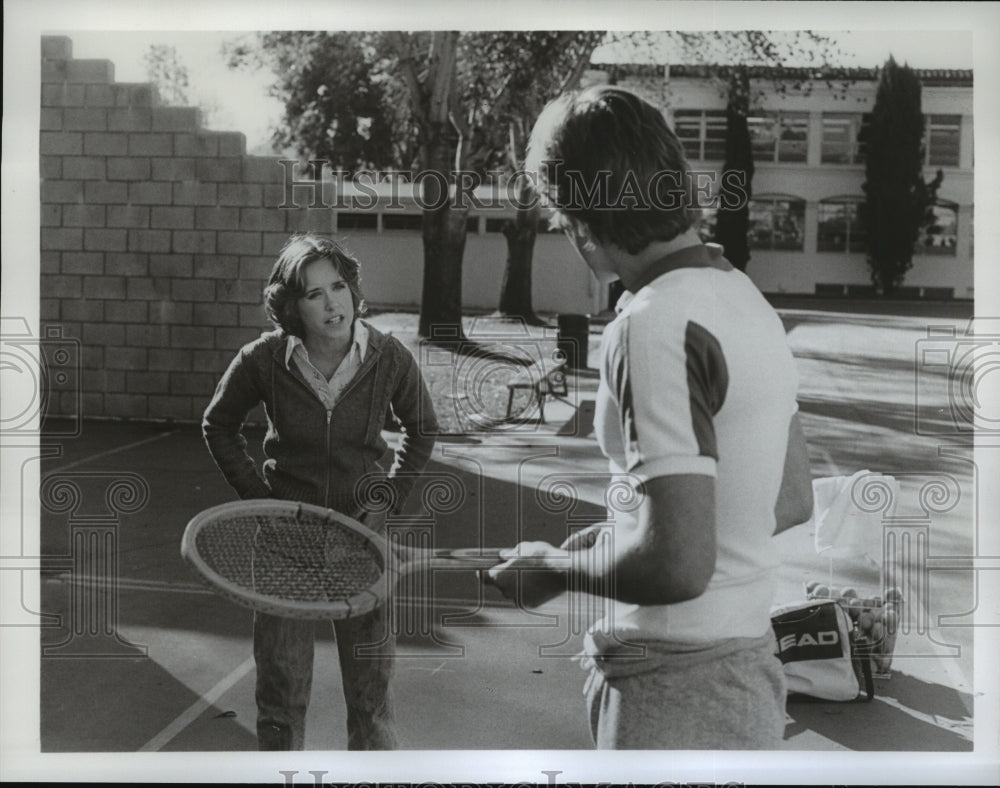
420,559
471,556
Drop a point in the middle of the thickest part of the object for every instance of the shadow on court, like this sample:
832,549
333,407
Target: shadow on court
906,714
109,708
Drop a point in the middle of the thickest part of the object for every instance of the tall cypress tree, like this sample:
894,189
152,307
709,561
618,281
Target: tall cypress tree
732,224
897,199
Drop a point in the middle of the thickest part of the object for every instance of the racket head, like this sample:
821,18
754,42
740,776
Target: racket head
288,559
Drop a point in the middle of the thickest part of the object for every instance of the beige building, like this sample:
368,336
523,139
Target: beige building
804,235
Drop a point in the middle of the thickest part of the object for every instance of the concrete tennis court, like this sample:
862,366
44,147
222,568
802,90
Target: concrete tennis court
474,672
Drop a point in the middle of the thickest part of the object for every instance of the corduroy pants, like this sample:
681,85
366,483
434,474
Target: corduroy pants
283,651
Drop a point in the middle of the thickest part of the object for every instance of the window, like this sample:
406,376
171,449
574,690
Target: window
940,236
941,139
779,136
402,221
391,221
702,133
839,225
844,137
543,227
356,220
777,223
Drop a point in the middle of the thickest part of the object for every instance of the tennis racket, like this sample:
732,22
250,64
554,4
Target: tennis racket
300,561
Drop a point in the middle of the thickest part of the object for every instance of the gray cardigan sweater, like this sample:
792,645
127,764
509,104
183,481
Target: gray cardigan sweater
327,458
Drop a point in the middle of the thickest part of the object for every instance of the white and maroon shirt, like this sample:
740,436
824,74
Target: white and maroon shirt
697,378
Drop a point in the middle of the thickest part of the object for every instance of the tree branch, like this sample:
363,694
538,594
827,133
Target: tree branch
441,75
408,67
500,94
582,61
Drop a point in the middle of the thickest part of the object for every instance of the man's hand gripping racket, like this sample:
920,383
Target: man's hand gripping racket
548,567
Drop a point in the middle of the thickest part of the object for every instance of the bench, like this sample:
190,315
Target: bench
550,383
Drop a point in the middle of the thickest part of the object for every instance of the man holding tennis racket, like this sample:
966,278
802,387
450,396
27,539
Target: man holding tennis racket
696,410
328,381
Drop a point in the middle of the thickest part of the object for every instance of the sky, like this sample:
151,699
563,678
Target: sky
241,97
243,104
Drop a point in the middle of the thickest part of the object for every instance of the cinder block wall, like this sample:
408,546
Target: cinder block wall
156,239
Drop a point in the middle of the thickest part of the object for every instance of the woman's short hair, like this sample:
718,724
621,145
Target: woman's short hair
606,158
287,285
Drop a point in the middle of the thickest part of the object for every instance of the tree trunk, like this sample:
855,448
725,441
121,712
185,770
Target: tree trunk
515,293
443,223
444,246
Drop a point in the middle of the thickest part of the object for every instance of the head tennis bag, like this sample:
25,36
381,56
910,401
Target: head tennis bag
817,647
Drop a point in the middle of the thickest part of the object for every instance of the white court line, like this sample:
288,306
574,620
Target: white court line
128,584
961,728
183,587
196,709
109,452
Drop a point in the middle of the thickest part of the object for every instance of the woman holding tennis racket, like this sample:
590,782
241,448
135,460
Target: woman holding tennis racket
327,381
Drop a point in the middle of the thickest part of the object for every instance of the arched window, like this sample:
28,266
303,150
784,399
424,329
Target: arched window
777,222
940,234
839,225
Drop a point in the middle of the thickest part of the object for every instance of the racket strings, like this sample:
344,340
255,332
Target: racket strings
304,559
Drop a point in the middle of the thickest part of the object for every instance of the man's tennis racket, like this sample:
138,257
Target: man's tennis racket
299,561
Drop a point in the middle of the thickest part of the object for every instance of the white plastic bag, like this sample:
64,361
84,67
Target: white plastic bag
849,512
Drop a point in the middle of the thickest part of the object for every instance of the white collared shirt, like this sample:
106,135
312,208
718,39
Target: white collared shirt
329,391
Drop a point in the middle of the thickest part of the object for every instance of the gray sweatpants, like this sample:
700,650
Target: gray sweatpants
730,696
